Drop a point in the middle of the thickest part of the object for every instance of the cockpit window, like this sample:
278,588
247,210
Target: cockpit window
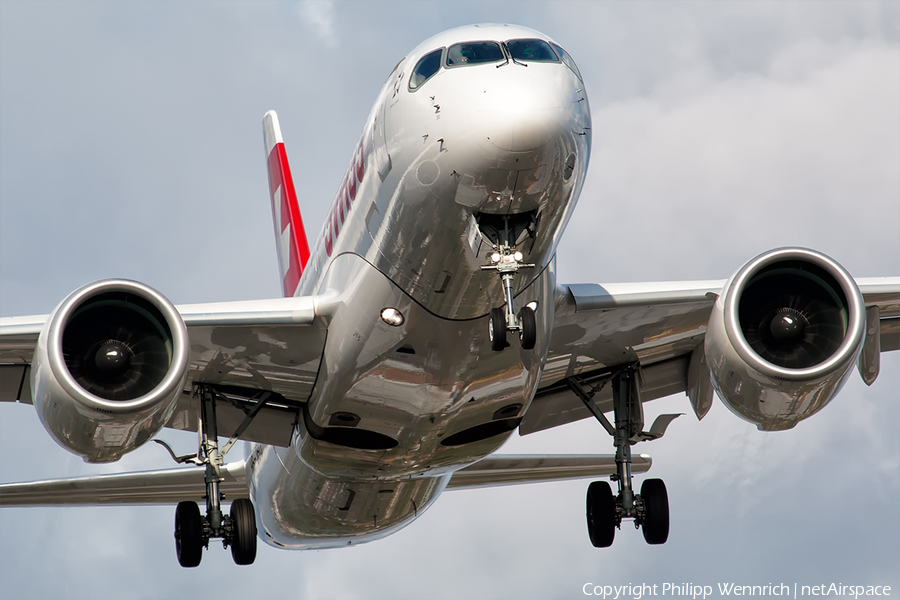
531,51
569,62
473,53
427,66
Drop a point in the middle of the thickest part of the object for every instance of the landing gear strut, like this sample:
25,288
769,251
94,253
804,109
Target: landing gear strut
605,512
507,261
192,530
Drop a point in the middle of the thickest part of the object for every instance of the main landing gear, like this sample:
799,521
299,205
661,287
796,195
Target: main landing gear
192,530
605,511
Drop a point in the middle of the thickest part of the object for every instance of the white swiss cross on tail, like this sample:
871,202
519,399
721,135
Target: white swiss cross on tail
290,237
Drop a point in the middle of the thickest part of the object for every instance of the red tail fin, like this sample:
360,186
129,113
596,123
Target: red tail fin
290,236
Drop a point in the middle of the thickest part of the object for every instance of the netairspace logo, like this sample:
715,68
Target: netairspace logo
695,592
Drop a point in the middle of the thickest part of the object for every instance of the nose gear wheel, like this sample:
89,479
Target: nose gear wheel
497,329
527,328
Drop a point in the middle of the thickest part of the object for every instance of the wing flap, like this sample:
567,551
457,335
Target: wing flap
168,486
513,469
15,383
890,334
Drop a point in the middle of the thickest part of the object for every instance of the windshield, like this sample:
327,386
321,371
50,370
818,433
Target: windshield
473,53
531,51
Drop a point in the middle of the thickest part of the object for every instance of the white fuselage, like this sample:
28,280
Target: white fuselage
396,409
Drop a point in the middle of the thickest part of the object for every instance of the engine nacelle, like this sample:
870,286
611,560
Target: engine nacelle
784,336
108,368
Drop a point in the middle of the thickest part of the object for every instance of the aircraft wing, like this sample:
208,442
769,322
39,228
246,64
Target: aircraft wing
271,345
166,486
170,486
276,345
510,469
660,326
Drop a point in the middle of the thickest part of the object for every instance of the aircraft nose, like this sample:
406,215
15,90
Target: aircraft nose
523,126
521,117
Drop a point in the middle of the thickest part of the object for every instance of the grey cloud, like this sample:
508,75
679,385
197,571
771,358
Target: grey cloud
785,161
130,145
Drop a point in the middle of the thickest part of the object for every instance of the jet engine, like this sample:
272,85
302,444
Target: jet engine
783,336
108,368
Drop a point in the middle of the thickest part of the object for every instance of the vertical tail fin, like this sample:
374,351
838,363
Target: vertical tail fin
290,236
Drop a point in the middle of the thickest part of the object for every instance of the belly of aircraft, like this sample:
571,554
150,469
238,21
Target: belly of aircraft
300,509
425,396
395,410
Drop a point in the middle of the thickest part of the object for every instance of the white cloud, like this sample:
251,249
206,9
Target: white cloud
318,15
806,147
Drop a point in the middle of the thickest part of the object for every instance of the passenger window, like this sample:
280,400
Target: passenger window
425,68
473,53
531,51
567,60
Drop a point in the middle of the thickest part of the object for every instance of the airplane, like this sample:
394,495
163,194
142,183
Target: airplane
423,327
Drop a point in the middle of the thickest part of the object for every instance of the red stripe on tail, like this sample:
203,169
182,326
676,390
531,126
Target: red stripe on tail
287,218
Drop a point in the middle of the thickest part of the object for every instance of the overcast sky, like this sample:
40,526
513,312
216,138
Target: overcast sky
131,146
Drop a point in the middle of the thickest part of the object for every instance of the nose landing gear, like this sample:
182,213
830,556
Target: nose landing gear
506,232
507,262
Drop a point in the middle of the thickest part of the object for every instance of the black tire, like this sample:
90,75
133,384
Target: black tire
243,522
498,329
655,524
528,334
188,534
601,514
